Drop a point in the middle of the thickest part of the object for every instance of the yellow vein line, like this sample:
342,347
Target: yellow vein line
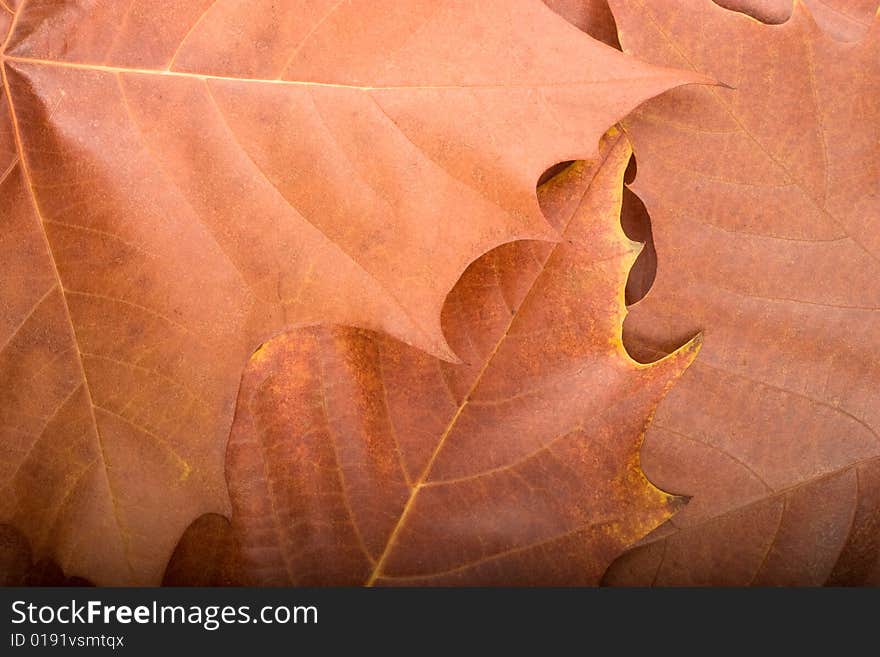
67,496
166,175
123,22
158,440
720,450
546,447
9,170
820,304
392,429
506,553
818,402
280,535
760,499
308,36
764,236
511,467
15,16
343,486
851,525
42,431
101,68
104,233
146,370
425,332
855,19
427,156
26,318
772,543
660,565
132,304
188,33
817,109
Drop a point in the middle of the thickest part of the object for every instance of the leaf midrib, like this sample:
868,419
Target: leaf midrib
309,83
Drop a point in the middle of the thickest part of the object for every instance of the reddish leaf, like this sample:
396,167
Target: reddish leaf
356,459
764,201
182,180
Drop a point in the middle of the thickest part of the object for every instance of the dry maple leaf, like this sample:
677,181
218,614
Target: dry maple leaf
181,180
765,204
356,459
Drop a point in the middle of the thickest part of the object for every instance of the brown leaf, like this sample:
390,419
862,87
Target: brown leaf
356,459
182,180
764,201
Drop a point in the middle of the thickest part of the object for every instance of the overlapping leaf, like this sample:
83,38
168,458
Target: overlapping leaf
356,459
592,16
183,179
765,204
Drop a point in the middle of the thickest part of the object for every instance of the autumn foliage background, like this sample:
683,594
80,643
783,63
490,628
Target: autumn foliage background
280,303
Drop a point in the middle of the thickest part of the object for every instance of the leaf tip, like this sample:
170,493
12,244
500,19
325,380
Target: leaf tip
690,350
440,348
676,503
260,353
